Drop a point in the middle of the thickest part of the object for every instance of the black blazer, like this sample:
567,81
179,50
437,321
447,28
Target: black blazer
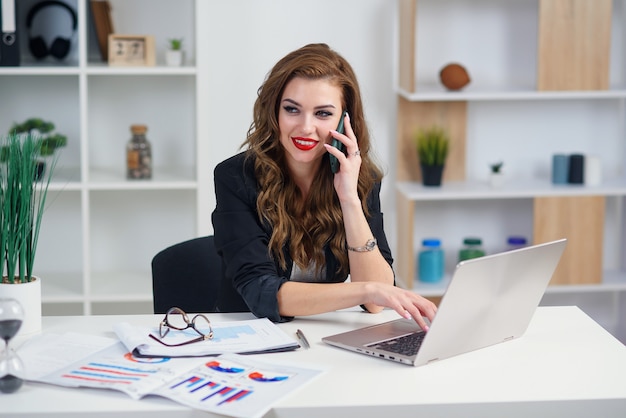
251,277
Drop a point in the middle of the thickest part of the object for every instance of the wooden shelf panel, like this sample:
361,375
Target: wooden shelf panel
436,93
413,116
613,281
580,219
406,12
474,190
574,44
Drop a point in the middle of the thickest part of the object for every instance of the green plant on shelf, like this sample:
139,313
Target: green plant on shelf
432,146
175,44
43,131
496,167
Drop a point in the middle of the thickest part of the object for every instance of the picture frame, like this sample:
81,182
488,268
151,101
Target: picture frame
131,50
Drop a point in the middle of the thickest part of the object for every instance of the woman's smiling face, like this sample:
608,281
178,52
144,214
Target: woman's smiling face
309,109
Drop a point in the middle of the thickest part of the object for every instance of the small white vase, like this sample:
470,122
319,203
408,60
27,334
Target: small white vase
593,170
496,179
29,296
174,58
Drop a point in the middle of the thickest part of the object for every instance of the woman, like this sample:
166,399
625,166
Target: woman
289,230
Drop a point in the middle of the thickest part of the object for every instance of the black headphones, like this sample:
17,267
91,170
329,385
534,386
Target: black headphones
60,47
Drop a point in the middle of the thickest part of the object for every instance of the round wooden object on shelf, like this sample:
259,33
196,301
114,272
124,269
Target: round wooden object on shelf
454,76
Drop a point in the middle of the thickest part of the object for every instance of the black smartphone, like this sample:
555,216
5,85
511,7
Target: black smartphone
334,162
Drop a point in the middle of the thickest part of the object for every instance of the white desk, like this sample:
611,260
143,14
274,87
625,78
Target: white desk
565,365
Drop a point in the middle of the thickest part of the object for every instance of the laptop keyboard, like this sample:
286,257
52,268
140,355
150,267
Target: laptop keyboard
407,345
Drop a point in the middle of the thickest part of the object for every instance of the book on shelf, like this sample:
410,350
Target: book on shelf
101,14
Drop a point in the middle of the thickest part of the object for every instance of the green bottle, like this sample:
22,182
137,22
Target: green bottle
472,248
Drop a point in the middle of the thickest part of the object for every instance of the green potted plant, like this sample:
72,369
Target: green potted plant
22,202
44,131
176,44
432,150
174,54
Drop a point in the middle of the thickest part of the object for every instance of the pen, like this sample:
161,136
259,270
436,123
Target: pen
302,338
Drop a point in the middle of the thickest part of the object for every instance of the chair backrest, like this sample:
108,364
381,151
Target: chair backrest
187,275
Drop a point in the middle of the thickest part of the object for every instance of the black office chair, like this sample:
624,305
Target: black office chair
187,275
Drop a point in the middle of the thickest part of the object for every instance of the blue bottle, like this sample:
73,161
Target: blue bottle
431,261
514,242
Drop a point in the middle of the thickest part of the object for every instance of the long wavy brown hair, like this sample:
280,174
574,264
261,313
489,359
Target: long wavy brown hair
305,225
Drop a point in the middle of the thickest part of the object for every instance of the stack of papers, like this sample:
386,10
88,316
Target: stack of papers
230,384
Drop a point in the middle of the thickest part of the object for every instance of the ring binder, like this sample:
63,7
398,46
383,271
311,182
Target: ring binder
9,45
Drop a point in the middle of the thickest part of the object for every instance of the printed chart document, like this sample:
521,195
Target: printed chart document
241,337
49,352
230,384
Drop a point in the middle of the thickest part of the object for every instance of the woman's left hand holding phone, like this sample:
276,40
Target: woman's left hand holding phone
347,177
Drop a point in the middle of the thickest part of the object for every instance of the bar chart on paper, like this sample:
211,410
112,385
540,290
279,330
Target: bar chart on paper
116,368
229,384
235,385
206,389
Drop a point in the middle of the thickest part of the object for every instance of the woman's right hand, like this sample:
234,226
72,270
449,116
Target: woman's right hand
406,303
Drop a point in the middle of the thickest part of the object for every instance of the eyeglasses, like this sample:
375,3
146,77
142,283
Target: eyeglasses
177,319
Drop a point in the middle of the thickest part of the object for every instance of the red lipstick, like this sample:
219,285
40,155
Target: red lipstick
304,144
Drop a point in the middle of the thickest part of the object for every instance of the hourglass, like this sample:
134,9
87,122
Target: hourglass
11,366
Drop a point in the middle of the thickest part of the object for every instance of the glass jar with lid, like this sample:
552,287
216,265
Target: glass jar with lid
472,248
138,154
515,242
431,260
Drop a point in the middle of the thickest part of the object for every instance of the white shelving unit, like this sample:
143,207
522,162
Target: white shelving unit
509,120
100,231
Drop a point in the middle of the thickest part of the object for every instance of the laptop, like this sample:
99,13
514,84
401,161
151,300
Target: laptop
489,300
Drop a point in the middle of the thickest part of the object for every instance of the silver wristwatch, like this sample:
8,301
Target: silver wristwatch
369,246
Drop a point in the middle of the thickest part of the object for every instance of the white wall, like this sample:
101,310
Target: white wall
247,37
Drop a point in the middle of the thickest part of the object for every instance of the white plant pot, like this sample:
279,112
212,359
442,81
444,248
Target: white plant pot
496,179
29,296
593,170
174,58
